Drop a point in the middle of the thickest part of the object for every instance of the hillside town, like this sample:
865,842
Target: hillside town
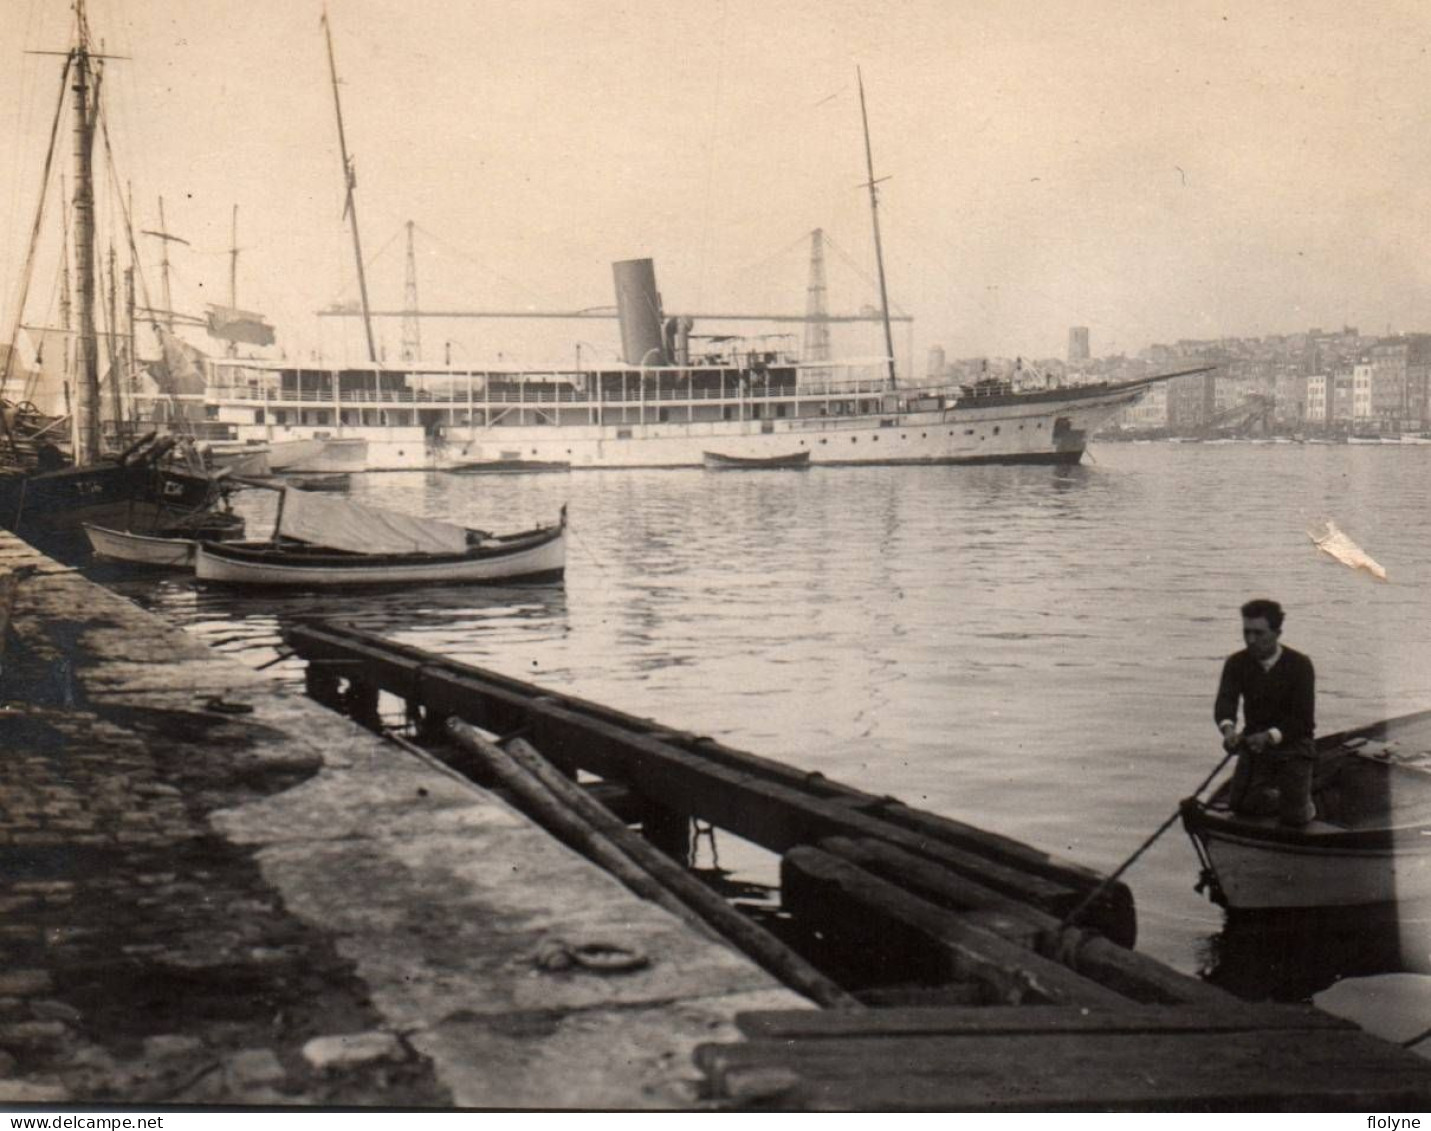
1333,384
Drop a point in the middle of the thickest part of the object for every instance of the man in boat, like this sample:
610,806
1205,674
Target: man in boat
1276,686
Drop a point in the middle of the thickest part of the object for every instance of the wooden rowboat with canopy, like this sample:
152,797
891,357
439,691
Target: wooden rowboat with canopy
323,541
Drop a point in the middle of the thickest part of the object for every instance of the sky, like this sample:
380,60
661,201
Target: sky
1151,170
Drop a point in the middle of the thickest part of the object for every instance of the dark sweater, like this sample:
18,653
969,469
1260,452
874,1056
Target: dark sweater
1284,697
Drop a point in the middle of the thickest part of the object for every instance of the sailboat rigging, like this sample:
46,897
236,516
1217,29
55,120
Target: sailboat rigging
46,494
874,220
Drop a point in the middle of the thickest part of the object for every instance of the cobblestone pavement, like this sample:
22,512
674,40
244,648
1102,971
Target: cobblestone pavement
144,959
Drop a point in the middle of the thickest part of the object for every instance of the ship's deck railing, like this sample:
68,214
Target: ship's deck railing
540,395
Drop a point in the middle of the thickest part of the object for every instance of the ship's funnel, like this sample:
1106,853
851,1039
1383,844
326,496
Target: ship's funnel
638,305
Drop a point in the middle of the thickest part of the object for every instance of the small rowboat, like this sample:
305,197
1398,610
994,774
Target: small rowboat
1369,844
168,547
508,466
329,481
140,549
531,555
716,461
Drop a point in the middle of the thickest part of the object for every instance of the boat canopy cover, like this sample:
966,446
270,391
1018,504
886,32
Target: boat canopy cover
339,524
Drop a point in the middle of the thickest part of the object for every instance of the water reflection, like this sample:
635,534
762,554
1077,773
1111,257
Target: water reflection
249,624
1031,649
1292,955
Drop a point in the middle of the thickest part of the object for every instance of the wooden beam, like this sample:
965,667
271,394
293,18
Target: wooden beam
561,804
832,895
772,804
1136,975
988,1020
1250,1070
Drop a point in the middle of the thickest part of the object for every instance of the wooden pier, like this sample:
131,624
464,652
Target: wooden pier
964,987
214,891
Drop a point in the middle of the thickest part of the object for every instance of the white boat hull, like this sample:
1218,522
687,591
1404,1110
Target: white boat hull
319,454
545,559
1026,429
1258,876
1370,843
139,549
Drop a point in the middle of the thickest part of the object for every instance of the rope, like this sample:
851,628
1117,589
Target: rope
1416,1040
1093,895
585,549
34,240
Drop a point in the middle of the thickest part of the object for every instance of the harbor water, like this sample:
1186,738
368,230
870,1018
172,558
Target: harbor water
1030,649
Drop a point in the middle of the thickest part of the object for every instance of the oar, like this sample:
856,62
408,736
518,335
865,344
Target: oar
1093,895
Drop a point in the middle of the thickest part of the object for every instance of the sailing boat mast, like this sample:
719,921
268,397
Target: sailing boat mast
233,279
163,235
874,217
233,262
87,359
350,209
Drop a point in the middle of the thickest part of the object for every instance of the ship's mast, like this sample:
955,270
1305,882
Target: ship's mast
349,208
232,350
67,320
163,235
87,348
233,262
411,330
874,217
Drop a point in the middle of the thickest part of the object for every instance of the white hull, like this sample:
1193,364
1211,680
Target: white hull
319,454
1370,843
1258,876
545,559
1028,431
139,549
241,459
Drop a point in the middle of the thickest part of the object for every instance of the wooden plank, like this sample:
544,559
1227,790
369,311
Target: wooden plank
994,1019
505,700
1311,1069
767,814
642,867
1121,969
832,894
924,997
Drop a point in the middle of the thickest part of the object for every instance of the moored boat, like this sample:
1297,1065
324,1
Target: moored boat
1369,844
318,454
673,396
321,542
512,465
332,481
141,549
717,461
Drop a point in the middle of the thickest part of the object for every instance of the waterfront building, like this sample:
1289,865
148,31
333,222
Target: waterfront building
1339,406
1290,396
1388,382
1190,402
1078,347
1317,398
1418,378
1151,413
1361,392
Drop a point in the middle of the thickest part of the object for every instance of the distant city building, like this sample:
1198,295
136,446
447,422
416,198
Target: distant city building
1316,412
1339,404
1418,385
1290,396
1361,392
937,362
1388,382
1078,344
1150,413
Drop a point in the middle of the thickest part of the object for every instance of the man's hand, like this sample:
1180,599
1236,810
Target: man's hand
1231,740
1258,742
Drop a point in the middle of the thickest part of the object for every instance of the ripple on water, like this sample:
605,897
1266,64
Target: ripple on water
1032,650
